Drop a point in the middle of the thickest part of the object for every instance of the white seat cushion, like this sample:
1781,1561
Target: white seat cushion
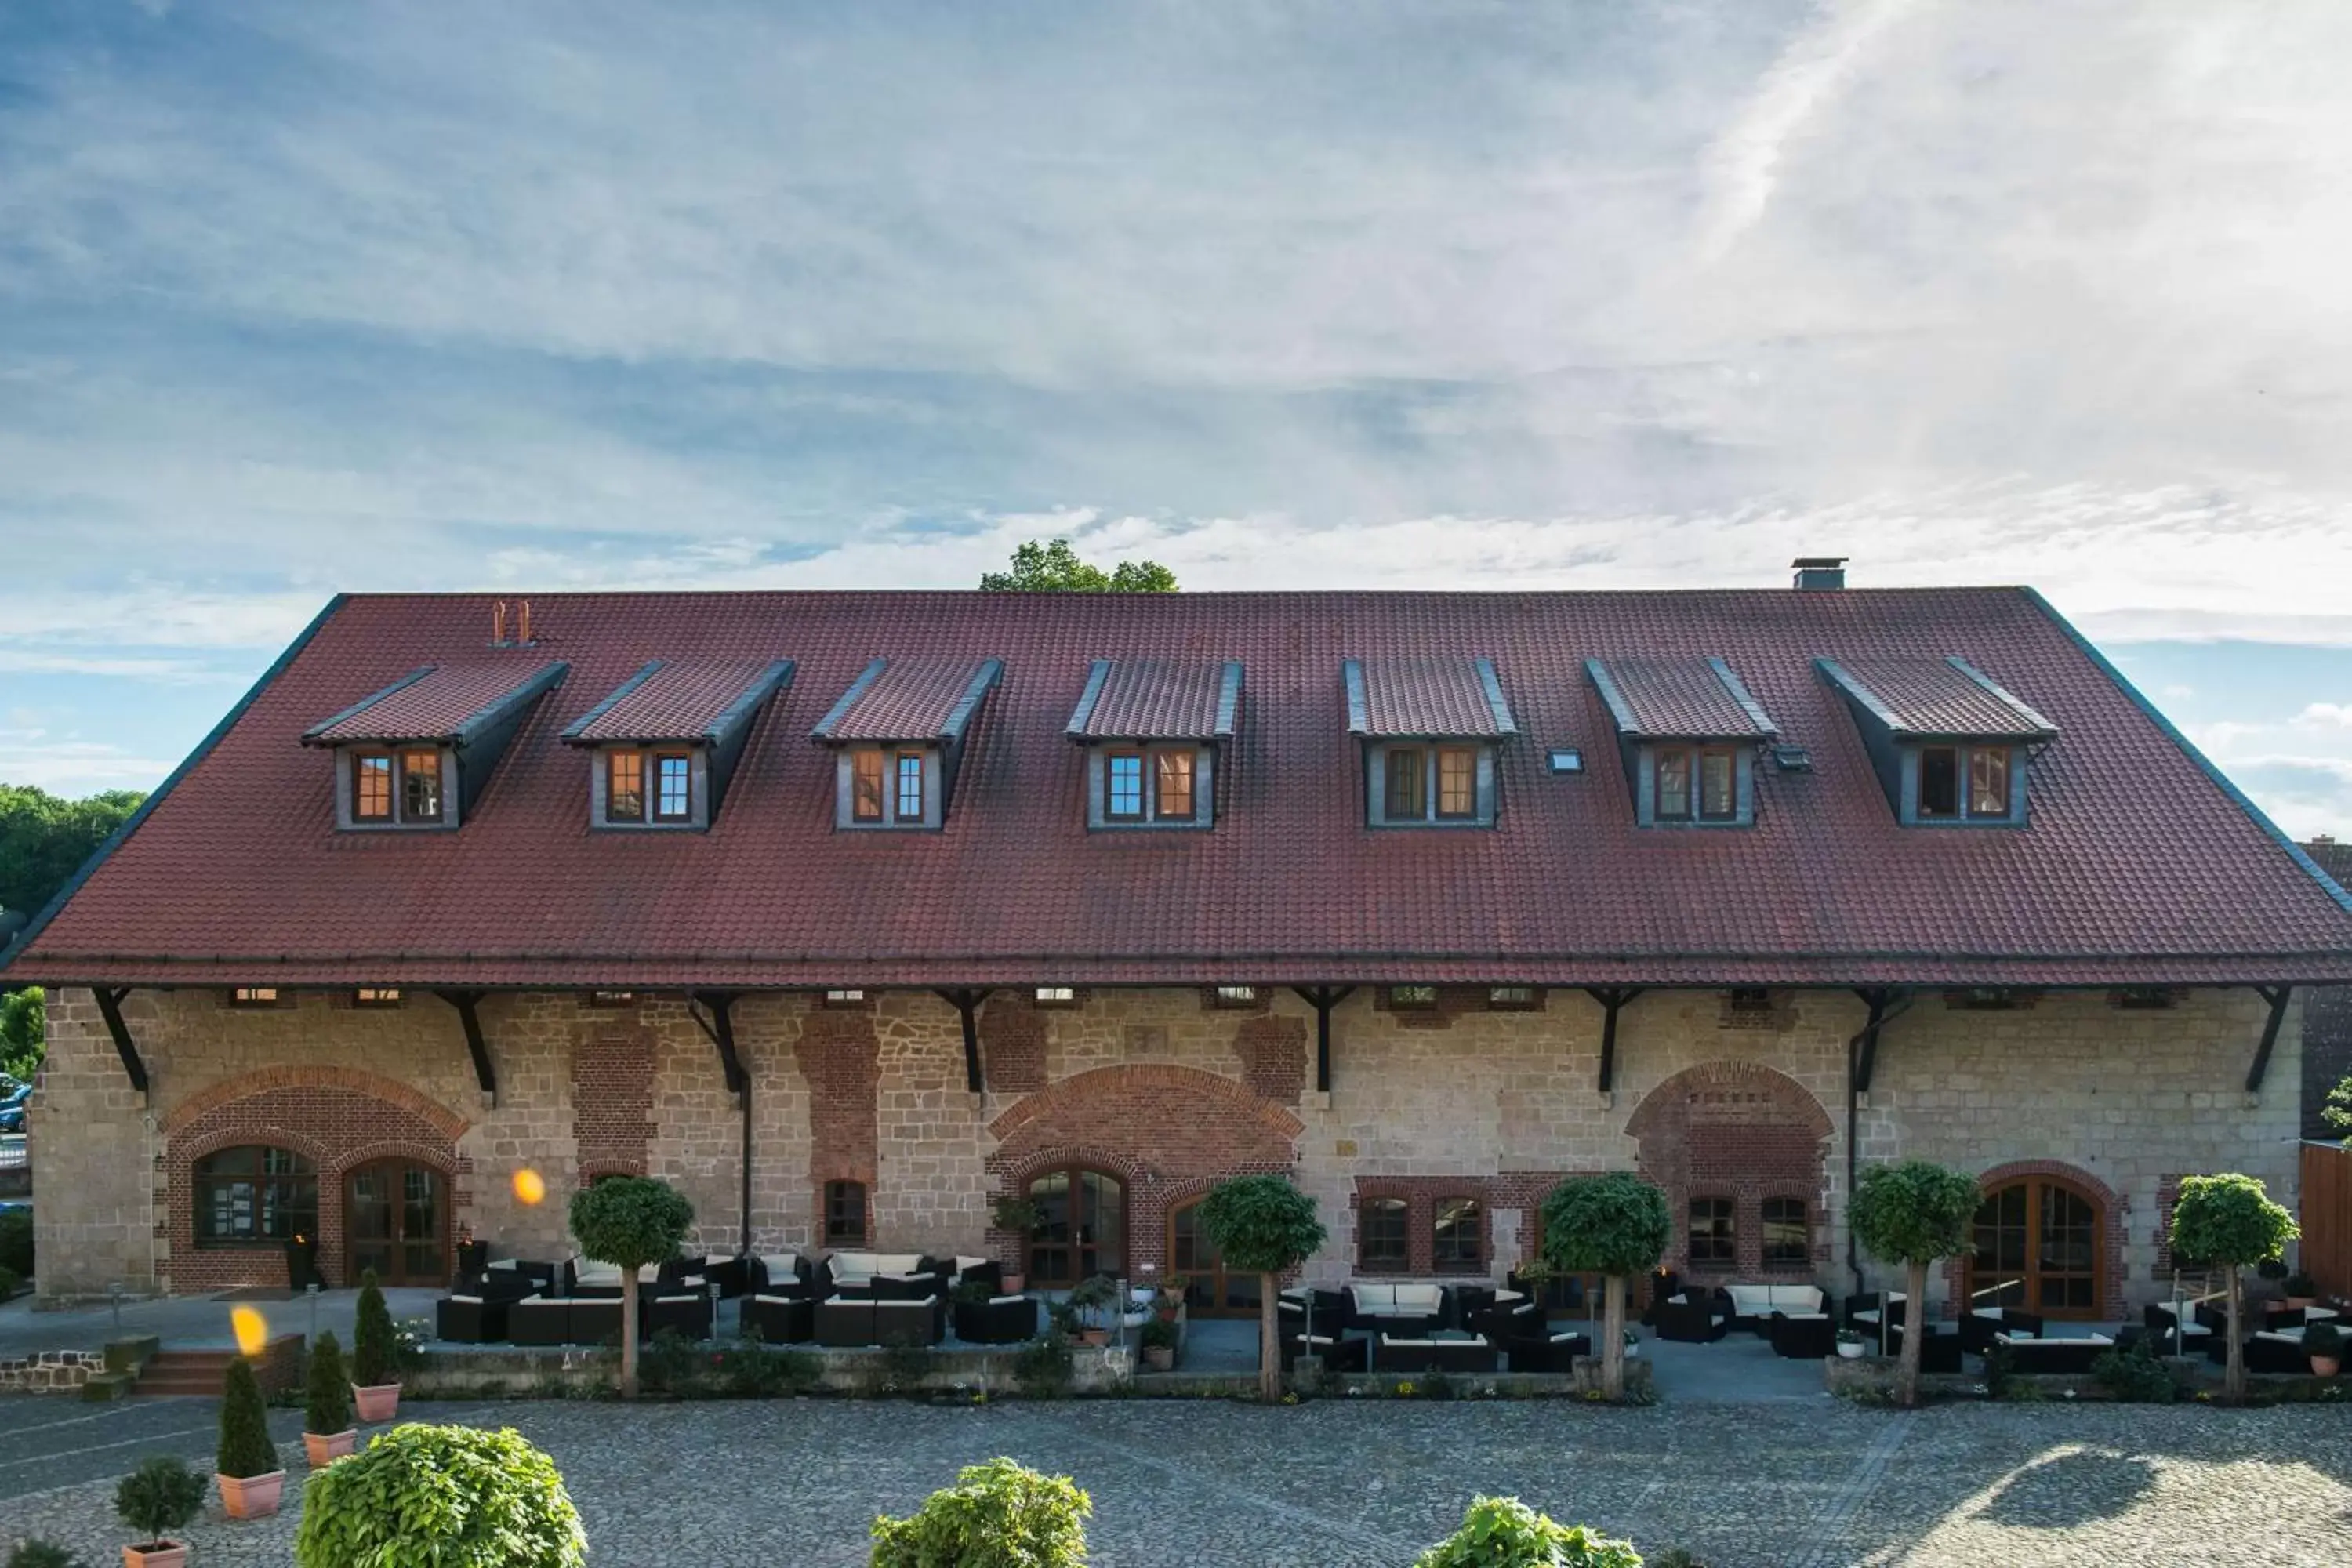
774,1300
1563,1338
1001,1300
780,1265
1387,1340
2284,1336
1373,1297
1806,1317
467,1300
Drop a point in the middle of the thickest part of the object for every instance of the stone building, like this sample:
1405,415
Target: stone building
852,913
2326,1016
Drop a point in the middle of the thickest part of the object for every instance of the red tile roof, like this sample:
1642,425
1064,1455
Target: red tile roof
1425,697
1679,700
678,700
2140,866
437,703
1158,699
1937,697
916,699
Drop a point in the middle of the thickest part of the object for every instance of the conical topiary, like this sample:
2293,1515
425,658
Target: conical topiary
246,1450
328,1408
372,1337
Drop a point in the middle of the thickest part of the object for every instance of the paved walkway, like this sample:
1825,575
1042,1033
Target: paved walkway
188,1322
1192,1482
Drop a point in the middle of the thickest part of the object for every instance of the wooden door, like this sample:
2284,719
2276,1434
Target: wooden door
1210,1291
396,1222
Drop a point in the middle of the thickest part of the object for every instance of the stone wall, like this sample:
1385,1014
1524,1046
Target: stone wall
1164,1089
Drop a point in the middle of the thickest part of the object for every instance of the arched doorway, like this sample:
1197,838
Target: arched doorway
2040,1248
1211,1291
1081,1229
396,1222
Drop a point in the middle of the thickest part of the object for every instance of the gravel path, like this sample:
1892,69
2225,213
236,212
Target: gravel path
1774,1486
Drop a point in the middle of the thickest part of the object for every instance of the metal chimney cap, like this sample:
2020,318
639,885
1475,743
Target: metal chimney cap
1826,562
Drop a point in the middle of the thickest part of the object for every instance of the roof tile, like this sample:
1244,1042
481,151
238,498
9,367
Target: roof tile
1679,700
1426,698
435,702
1944,696
1156,700
921,699
676,700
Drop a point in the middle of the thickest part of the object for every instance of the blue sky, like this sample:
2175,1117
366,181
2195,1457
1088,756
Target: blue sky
295,298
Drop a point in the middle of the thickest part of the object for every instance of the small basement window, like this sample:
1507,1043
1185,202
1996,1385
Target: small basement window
1412,995
612,998
1510,998
1057,996
1236,995
849,998
257,996
376,996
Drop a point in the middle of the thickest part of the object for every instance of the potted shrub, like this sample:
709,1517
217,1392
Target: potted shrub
374,1389
2302,1290
440,1494
1848,1344
1912,1212
247,1461
158,1497
327,1431
1094,1294
1018,1216
996,1512
1158,1341
629,1222
1498,1531
1167,1301
2230,1222
2324,1342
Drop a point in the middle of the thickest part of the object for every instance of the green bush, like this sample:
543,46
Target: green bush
750,1370
673,1364
904,1367
16,1242
1504,1532
1263,1225
997,1515
327,1408
2323,1339
39,1554
440,1496
2001,1365
1045,1368
630,1222
371,1336
1159,1333
10,1283
158,1497
2135,1376
246,1450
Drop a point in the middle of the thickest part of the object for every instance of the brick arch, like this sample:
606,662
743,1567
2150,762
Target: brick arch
1741,1131
2112,1209
332,1116
1167,1132
447,1123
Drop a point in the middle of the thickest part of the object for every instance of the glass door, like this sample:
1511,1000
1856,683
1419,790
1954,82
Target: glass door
1210,1291
2037,1250
395,1220
1081,1227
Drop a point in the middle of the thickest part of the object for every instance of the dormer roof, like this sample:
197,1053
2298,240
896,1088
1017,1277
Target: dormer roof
681,702
1679,700
1936,699
908,700
1158,699
1426,700
444,704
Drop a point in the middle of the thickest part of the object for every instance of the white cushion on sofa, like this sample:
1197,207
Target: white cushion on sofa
465,1300
1373,1297
2284,1336
1001,1300
1424,1299
1763,1300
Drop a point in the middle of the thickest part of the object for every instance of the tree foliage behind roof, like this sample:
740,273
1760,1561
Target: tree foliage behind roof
1914,1211
1261,1225
1052,566
2230,1219
44,839
630,1221
1614,1222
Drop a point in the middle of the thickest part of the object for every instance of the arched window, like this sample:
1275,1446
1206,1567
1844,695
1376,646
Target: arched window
2039,1248
254,1195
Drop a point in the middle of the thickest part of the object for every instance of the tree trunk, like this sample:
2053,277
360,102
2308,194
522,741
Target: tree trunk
2235,1385
1269,1346
1612,1329
1915,1330
628,1334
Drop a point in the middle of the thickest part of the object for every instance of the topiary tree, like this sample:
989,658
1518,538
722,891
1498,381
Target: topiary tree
1263,1225
629,1222
246,1450
997,1515
1912,1212
371,1336
158,1497
440,1496
2230,1221
327,1405
1615,1225
1504,1532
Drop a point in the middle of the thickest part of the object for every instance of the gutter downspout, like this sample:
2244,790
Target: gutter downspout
1854,1049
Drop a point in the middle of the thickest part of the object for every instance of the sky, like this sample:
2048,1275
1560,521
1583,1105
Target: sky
298,298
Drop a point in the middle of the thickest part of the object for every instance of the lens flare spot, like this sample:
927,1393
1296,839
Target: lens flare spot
529,1187
252,1331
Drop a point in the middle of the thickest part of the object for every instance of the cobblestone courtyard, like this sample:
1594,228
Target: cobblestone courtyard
1779,1485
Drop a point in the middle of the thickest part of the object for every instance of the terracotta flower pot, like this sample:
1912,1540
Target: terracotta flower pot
1160,1358
381,1402
251,1497
1094,1336
2327,1365
156,1554
324,1450
1016,1283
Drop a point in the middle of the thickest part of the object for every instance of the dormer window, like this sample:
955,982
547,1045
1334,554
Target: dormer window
643,786
1431,730
1153,734
1950,746
899,736
662,747
1687,729
1697,784
414,755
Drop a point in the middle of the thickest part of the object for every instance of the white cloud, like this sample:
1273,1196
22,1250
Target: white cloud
2326,716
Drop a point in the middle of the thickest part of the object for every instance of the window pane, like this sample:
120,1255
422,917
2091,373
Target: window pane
255,1195
844,1212
1174,802
1123,786
866,787
625,786
910,786
1457,782
1785,1238
1408,784
1510,996
1939,781
1380,1235
1412,995
1710,1231
1989,782
1456,1244
1717,797
1236,995
673,786
1674,785
371,789
420,787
